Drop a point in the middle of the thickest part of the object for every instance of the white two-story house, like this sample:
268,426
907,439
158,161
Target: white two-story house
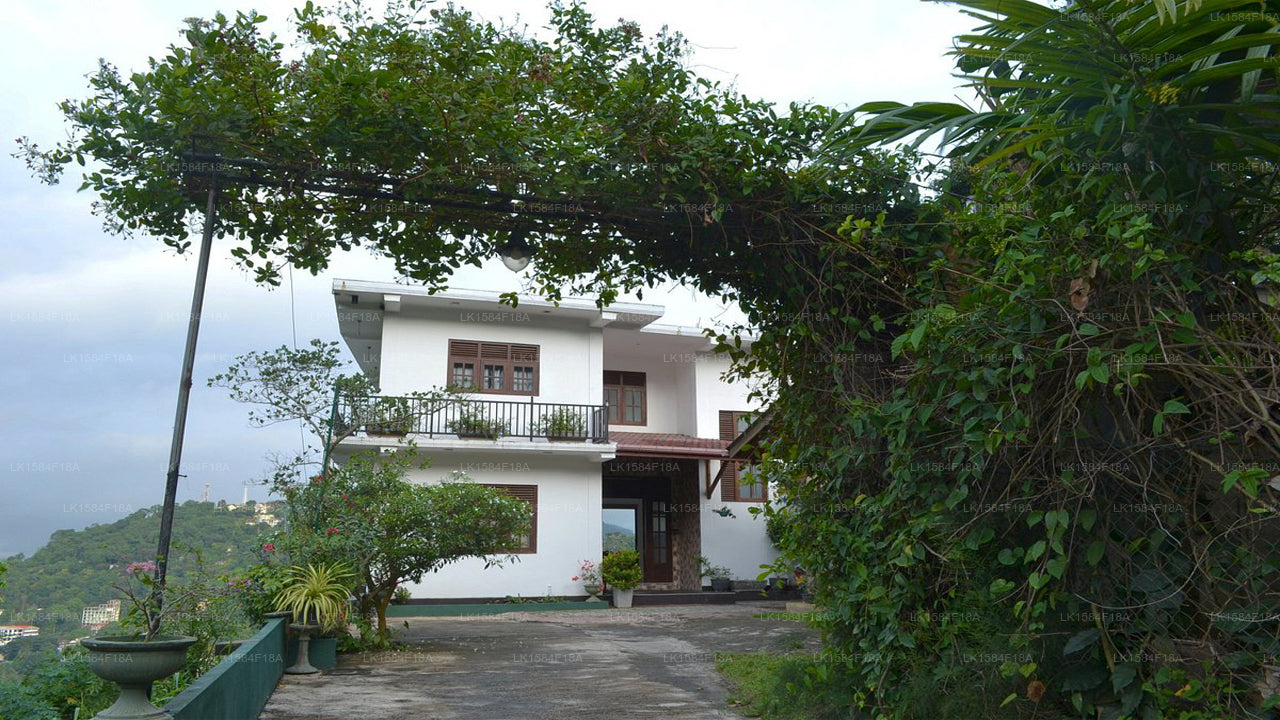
611,425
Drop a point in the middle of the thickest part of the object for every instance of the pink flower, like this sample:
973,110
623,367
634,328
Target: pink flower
333,530
145,566
317,478
268,547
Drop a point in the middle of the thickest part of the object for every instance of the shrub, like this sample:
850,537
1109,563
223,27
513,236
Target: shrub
621,569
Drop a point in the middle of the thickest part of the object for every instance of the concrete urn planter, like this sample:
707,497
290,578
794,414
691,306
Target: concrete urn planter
721,584
622,598
134,665
302,666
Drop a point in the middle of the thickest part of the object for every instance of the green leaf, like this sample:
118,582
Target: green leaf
1094,552
1123,674
916,336
1082,378
1100,373
1081,640
1035,551
1173,407
1088,517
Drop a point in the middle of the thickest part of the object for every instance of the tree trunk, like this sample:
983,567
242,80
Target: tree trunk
383,601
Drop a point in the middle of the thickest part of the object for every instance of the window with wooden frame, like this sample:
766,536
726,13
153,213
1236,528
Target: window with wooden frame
625,394
496,368
525,544
740,482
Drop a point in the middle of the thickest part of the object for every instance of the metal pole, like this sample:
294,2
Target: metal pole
184,393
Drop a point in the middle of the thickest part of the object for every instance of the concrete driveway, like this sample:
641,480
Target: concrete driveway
653,662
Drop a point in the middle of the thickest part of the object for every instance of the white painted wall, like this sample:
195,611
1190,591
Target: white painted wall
715,395
569,527
663,400
738,542
415,351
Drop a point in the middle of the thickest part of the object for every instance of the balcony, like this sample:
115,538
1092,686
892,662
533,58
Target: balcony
465,419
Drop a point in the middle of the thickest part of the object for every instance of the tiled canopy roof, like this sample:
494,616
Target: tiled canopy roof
667,445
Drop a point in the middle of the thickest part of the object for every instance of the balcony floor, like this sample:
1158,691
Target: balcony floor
654,662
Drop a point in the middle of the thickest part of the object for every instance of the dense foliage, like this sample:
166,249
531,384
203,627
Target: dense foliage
1025,421
1035,437
390,530
77,568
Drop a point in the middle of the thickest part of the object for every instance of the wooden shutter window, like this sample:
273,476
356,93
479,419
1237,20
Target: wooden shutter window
529,494
493,368
464,348
732,424
729,480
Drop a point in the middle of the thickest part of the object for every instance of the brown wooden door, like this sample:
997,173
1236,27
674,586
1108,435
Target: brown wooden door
657,560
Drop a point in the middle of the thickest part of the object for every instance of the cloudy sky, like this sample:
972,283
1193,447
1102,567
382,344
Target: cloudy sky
94,324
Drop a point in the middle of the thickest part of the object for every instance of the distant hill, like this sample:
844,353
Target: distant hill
78,567
611,529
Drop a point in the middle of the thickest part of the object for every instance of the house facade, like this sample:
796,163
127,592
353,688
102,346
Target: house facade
610,424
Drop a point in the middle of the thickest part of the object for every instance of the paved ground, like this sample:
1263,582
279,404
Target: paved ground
639,663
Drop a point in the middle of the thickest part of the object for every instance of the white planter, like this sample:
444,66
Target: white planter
622,598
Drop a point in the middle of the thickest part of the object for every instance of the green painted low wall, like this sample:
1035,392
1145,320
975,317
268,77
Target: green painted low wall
238,687
415,610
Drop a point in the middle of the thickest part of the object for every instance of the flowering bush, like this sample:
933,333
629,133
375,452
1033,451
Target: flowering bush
145,611
588,573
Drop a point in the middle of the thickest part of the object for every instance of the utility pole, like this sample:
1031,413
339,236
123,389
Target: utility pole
184,394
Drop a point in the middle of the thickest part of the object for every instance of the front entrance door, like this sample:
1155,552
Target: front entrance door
657,558
637,516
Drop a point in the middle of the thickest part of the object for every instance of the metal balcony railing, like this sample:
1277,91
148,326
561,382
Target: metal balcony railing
471,419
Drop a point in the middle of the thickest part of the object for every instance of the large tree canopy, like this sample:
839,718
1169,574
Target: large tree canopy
446,135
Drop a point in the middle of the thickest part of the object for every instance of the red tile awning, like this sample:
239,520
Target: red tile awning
667,445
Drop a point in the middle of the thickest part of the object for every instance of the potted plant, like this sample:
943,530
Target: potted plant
589,575
136,661
390,416
718,574
621,571
562,425
471,423
317,596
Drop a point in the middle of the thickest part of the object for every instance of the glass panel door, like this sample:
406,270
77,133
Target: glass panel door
619,528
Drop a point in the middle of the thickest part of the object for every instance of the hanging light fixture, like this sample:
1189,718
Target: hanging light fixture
516,253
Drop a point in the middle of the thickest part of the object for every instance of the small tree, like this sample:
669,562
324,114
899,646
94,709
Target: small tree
394,531
298,385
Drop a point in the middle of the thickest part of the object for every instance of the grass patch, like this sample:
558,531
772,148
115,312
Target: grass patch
768,686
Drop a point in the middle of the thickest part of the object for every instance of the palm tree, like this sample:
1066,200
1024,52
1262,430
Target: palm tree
1177,97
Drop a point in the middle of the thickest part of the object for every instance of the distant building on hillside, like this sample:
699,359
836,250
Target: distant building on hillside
99,615
263,513
9,633
266,513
